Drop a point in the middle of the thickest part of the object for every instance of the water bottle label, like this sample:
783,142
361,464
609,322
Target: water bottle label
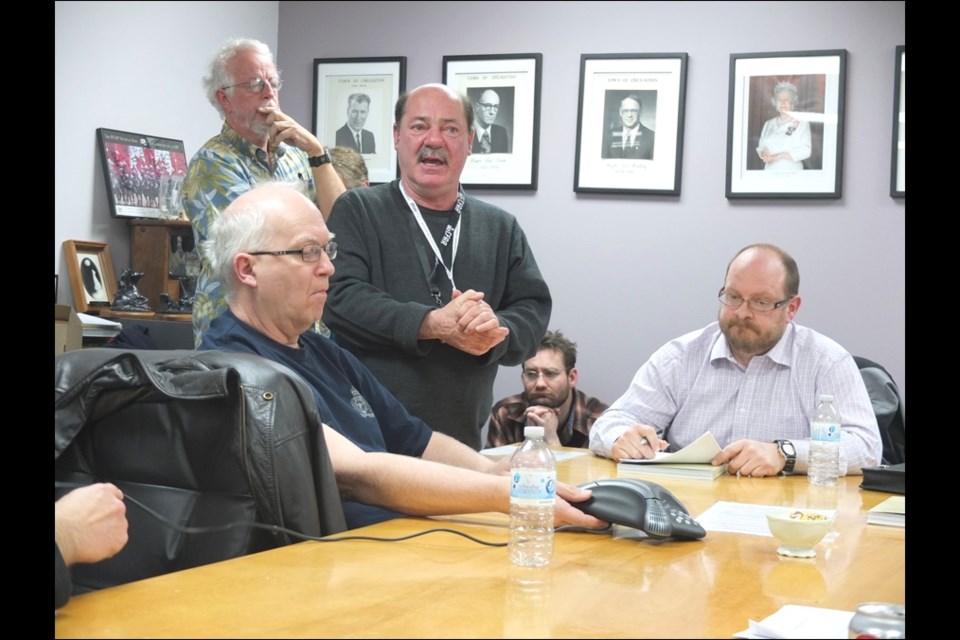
533,487
825,432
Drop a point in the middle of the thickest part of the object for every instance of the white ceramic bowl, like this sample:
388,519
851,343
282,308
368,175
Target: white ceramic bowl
798,530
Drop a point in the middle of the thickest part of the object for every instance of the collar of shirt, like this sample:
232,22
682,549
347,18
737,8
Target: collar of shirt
780,353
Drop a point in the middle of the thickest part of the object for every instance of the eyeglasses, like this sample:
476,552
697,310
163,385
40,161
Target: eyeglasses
310,253
487,105
255,85
763,306
531,375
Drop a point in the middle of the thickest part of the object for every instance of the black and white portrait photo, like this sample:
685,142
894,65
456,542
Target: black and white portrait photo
352,134
492,119
629,124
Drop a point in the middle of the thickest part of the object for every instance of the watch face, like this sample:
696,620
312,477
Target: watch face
787,447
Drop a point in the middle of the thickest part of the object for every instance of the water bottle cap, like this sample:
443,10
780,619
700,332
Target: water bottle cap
826,397
531,431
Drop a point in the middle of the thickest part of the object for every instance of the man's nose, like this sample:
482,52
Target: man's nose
325,265
744,311
269,91
433,136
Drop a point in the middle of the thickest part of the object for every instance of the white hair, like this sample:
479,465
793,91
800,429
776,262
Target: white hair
243,227
218,77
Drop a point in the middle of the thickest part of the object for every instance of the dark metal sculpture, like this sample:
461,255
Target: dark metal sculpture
128,297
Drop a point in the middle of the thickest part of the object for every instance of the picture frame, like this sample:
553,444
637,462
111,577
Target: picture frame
898,161
142,173
630,123
342,87
509,157
91,275
793,149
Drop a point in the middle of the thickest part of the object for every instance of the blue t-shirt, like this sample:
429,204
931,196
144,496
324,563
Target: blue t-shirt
349,398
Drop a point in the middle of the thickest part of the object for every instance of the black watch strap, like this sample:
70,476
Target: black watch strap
320,160
789,453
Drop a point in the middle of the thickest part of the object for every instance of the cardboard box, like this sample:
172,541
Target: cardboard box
68,331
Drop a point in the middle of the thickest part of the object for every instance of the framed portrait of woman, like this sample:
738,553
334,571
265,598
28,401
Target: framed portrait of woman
785,124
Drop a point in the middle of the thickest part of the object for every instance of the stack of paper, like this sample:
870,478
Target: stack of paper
892,512
795,621
693,461
97,327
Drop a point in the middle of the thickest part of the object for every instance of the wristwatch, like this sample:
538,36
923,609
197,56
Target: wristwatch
320,160
789,453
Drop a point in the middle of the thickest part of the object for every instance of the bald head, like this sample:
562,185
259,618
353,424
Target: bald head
401,106
759,275
779,265
250,223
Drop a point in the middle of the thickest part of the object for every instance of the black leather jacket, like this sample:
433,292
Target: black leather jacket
208,425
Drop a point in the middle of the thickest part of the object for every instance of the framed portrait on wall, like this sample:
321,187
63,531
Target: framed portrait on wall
139,171
91,275
353,100
505,92
630,123
898,163
785,124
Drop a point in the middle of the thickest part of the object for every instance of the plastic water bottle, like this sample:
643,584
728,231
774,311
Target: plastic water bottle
824,465
533,487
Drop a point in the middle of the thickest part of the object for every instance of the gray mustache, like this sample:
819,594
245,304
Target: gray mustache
430,152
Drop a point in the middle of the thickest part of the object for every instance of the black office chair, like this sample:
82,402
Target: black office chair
205,438
888,406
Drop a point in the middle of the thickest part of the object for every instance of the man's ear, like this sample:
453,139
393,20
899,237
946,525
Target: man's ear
792,307
223,99
243,269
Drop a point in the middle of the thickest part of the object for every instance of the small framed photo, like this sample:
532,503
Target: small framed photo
785,124
898,164
143,173
630,123
353,100
91,275
505,92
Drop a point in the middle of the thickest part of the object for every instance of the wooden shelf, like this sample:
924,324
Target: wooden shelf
154,248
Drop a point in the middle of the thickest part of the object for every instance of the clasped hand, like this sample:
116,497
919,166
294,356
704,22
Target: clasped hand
547,418
470,324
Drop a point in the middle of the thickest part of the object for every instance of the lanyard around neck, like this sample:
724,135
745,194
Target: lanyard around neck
452,231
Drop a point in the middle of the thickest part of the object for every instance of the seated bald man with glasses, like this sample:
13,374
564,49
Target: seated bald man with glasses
752,379
274,255
550,399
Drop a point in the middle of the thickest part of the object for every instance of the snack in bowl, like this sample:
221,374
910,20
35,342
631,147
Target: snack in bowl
798,530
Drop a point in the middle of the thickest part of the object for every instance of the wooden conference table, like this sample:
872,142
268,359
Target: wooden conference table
443,585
